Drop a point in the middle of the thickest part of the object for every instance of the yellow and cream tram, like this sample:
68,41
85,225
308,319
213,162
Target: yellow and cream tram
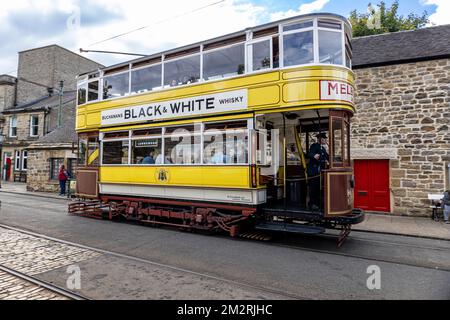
215,134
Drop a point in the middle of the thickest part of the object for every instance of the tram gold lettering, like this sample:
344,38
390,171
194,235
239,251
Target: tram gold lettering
210,103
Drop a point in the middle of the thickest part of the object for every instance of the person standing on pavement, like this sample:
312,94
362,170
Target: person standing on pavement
62,177
446,206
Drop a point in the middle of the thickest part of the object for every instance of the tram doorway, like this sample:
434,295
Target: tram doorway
292,135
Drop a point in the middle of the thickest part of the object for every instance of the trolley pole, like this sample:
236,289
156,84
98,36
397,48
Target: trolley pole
61,93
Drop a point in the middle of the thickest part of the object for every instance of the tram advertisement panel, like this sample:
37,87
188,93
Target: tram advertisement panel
197,105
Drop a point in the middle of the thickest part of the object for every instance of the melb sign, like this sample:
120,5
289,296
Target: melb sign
336,90
197,105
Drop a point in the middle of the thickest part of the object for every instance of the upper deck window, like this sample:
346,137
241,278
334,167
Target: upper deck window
298,48
225,62
320,40
299,25
259,55
116,85
330,47
182,71
146,79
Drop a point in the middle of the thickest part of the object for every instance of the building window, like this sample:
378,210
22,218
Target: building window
55,165
13,126
24,160
17,160
72,167
34,126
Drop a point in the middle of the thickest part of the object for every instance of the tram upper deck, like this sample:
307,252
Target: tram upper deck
304,61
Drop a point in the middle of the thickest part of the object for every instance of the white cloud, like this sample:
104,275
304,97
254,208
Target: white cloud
442,14
171,24
304,8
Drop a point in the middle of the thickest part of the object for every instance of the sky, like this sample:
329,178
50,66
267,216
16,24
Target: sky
159,25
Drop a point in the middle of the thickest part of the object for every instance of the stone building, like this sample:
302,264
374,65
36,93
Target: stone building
401,135
30,108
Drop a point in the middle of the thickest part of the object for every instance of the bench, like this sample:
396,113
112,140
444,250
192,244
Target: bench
435,204
20,176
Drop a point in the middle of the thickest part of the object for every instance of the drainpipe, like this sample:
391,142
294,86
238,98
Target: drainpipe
15,92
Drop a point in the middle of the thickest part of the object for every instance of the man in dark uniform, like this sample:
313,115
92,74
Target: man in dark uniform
318,160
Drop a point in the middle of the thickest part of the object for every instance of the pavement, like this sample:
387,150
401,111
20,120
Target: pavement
377,223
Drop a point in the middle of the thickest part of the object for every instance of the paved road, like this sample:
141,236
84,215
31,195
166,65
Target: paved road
295,267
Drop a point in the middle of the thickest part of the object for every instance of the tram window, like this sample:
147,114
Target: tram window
275,52
182,149
115,152
330,24
116,135
223,63
93,90
225,146
182,71
298,48
147,132
82,148
182,145
346,145
146,79
116,85
93,146
337,133
330,47
147,151
81,95
260,55
299,25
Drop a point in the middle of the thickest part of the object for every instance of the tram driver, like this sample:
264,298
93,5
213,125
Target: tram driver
318,160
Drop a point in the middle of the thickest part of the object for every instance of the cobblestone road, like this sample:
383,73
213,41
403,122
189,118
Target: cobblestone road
14,288
32,255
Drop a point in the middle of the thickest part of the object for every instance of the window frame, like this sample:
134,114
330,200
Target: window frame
11,126
163,136
223,48
52,167
23,158
17,160
249,54
32,126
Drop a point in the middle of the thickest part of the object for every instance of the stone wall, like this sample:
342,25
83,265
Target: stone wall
38,175
23,127
405,109
47,66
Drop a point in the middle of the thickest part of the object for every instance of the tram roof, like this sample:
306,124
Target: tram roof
225,37
401,47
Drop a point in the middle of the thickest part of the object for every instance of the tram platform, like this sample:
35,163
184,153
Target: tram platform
376,223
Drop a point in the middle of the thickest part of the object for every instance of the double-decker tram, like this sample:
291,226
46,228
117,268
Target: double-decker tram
222,134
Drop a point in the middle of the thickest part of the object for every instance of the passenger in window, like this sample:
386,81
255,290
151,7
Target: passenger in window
150,158
318,160
173,83
218,157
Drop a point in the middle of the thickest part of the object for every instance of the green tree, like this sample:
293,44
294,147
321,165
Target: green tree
384,20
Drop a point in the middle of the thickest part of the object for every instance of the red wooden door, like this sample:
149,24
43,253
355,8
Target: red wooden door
372,185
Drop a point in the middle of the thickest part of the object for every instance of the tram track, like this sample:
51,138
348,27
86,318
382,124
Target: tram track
38,283
267,239
282,293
